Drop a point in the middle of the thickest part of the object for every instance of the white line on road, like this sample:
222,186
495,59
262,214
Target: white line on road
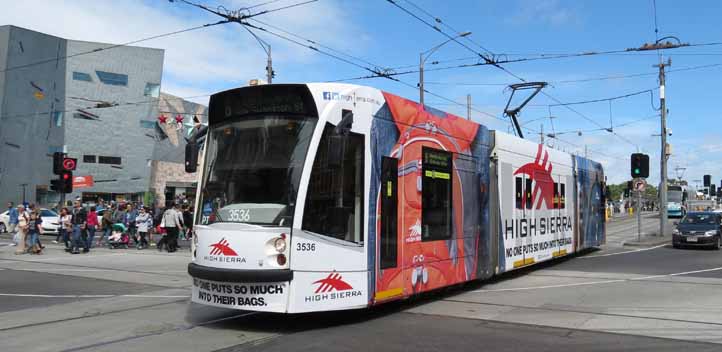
625,252
596,282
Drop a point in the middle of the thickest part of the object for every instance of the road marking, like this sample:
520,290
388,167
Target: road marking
88,296
596,282
625,252
68,257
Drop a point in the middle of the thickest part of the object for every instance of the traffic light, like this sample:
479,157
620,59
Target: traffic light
56,185
640,165
707,180
58,162
66,182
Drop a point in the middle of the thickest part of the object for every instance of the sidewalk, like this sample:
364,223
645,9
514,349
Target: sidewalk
622,231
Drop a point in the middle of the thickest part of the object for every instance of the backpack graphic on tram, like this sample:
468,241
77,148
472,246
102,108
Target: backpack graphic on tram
317,197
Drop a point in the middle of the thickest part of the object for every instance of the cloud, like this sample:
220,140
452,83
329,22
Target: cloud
204,60
547,12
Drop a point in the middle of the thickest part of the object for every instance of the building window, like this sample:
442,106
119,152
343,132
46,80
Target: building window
152,90
58,118
113,160
147,124
436,194
114,79
82,76
89,159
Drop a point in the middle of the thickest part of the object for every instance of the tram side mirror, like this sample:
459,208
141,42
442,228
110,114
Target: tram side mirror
191,157
337,141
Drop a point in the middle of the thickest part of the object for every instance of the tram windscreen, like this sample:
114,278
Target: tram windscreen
253,167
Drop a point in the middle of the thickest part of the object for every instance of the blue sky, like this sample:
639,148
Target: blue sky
223,57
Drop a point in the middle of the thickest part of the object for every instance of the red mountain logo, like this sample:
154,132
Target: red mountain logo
540,171
222,248
332,282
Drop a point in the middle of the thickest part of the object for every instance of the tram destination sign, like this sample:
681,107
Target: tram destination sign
284,99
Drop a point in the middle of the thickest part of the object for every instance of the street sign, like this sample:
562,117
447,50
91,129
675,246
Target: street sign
640,185
69,164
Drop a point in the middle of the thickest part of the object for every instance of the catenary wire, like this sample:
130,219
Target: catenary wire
112,46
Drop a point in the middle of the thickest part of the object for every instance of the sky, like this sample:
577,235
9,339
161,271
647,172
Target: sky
201,62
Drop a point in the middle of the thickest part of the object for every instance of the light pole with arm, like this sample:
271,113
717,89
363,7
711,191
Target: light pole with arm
423,59
267,48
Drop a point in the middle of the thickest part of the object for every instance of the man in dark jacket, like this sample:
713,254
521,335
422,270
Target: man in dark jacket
79,221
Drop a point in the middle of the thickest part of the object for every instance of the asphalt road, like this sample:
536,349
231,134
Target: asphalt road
617,298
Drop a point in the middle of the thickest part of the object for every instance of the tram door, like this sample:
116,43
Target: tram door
389,249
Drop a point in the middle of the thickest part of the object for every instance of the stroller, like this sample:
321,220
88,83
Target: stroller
119,237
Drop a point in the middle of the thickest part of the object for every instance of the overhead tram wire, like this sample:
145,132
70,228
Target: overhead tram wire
582,80
439,20
234,15
300,41
507,71
110,106
379,74
113,46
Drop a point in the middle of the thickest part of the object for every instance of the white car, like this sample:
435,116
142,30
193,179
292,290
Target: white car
51,222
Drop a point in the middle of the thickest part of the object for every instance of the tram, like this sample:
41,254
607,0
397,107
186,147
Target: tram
318,197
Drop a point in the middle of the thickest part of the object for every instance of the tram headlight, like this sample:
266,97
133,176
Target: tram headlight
280,245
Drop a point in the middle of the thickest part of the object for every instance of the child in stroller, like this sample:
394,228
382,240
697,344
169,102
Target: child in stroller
119,237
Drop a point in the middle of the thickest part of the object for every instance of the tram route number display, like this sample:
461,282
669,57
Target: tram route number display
532,248
234,294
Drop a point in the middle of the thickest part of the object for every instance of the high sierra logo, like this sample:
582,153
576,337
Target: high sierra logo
222,252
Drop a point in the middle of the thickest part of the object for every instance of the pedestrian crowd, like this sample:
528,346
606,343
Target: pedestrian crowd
115,225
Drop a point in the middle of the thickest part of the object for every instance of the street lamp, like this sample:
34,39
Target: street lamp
267,48
422,60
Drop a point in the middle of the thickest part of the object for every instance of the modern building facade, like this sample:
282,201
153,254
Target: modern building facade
100,107
169,180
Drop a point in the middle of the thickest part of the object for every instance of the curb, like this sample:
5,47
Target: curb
652,243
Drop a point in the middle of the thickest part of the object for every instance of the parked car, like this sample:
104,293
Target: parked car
51,222
699,229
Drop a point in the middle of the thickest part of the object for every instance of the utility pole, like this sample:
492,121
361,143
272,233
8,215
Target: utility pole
541,134
468,106
423,59
663,154
269,66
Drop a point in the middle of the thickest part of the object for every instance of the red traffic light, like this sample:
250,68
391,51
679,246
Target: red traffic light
66,176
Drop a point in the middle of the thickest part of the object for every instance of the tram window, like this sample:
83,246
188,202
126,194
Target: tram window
557,200
436,193
527,192
562,196
334,201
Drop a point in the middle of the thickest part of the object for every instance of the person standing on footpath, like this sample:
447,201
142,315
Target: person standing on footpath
92,226
106,225
130,215
22,228
144,222
66,227
13,222
80,217
34,226
171,223
12,218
